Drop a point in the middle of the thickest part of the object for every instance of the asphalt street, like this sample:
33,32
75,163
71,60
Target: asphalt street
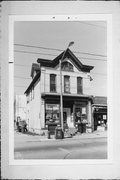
80,147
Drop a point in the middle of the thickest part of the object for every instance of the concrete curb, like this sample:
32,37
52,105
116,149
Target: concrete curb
102,134
81,136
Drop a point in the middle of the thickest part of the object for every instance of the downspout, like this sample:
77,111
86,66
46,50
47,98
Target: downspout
40,98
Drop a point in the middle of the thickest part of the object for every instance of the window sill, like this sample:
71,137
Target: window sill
67,92
53,91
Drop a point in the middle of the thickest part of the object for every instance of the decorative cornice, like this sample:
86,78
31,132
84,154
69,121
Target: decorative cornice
53,63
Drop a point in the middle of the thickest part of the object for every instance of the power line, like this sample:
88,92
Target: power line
22,86
20,77
92,25
22,65
99,74
39,47
28,52
92,59
80,52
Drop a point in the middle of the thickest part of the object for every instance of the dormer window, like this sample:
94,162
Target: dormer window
66,66
52,82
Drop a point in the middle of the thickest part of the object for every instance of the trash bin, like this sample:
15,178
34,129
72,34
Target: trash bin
80,127
84,127
48,134
51,130
59,133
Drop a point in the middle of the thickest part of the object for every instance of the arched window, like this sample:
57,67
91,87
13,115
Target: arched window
66,66
52,82
79,85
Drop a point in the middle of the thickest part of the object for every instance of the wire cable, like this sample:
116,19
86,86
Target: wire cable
20,77
87,53
28,52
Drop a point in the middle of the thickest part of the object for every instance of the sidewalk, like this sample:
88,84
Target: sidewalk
95,134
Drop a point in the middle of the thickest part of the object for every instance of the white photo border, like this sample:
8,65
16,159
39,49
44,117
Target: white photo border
54,18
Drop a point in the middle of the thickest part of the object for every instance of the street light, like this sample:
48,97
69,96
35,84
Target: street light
61,97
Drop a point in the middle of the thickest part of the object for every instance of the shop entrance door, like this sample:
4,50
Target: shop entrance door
67,117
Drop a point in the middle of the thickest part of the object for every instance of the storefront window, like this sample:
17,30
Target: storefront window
80,114
100,116
52,113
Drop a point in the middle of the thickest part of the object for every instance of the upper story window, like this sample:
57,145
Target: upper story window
52,83
66,66
67,84
79,85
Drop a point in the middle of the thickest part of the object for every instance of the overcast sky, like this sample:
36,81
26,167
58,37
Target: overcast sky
89,37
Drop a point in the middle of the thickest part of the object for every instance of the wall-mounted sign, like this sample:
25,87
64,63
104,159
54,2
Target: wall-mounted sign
104,117
83,110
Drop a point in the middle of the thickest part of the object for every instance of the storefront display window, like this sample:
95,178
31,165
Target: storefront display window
80,114
52,113
100,116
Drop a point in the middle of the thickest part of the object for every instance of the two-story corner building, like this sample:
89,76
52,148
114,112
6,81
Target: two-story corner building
43,93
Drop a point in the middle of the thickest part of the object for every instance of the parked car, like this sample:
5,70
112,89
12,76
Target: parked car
22,126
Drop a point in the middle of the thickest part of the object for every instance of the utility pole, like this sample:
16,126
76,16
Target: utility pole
61,93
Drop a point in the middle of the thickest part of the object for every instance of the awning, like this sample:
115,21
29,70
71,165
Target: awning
66,96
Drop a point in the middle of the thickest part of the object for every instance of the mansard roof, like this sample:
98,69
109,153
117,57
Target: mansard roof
53,63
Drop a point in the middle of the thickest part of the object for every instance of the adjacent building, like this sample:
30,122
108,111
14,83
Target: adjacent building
43,93
20,107
99,108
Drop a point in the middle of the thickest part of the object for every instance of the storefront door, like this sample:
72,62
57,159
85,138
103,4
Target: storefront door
67,117
80,113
